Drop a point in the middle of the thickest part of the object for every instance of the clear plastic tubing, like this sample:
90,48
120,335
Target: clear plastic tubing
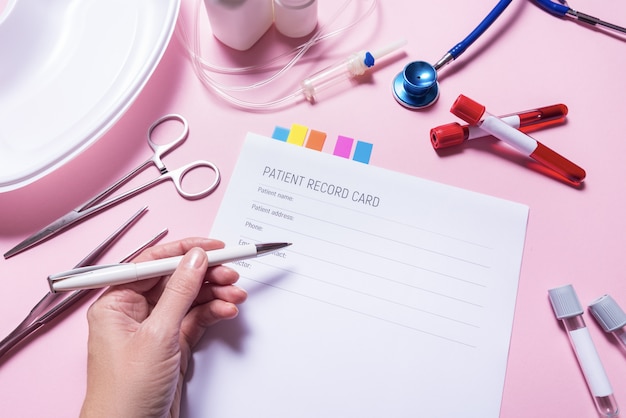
295,18
611,317
568,309
355,65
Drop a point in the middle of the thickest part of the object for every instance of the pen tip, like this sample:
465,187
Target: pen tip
271,246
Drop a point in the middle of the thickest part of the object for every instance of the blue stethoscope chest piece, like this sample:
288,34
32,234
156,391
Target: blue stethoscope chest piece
416,87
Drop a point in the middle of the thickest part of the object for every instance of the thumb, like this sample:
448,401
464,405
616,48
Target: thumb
181,290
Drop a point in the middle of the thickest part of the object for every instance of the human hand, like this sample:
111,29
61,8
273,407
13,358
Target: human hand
141,334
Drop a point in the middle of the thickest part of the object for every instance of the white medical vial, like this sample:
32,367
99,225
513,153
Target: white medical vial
569,311
239,24
295,18
611,317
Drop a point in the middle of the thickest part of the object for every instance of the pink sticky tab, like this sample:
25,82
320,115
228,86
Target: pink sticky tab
343,147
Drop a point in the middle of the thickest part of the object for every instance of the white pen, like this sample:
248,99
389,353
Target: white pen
94,277
567,308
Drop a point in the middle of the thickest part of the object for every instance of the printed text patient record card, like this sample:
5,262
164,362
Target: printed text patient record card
396,298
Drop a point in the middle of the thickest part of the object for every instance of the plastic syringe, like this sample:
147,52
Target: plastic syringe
355,65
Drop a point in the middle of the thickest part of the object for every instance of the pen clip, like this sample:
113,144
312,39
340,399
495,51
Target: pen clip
74,272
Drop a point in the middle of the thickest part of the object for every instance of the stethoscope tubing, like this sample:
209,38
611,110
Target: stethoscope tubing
416,87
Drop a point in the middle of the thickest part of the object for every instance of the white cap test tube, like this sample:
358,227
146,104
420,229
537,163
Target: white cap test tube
568,309
611,317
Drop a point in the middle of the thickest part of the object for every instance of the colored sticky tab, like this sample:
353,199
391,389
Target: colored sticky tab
316,140
280,133
362,152
297,134
343,147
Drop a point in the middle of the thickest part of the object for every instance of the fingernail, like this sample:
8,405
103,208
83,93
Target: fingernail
194,258
234,311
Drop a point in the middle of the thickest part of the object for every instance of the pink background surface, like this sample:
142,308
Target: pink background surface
526,60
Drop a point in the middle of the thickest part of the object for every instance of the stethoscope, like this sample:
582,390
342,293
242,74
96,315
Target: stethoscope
416,87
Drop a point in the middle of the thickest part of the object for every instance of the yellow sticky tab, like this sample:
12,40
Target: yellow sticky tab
297,134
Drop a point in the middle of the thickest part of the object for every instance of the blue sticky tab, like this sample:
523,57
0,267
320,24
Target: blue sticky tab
363,152
280,133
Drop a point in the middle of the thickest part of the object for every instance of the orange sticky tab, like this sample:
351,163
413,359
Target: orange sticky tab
316,140
297,134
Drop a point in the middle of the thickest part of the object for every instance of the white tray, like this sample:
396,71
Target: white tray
68,71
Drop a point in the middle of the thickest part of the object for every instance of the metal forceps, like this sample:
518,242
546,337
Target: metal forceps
561,9
54,304
98,203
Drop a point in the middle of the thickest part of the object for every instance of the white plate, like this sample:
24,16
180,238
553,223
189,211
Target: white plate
68,71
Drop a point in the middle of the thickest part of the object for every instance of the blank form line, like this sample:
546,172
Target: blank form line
373,254
464,260
358,311
378,217
360,292
391,280
250,239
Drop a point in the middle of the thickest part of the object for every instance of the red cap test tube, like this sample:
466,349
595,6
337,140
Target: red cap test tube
454,133
475,114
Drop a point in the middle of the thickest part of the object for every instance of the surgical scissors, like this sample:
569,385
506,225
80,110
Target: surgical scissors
54,304
98,203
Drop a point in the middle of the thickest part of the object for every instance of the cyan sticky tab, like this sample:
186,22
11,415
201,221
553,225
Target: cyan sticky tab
280,133
297,135
343,147
362,152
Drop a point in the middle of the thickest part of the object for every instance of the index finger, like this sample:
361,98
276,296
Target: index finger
180,290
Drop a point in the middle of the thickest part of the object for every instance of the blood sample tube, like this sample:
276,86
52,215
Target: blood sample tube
454,133
567,309
475,114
